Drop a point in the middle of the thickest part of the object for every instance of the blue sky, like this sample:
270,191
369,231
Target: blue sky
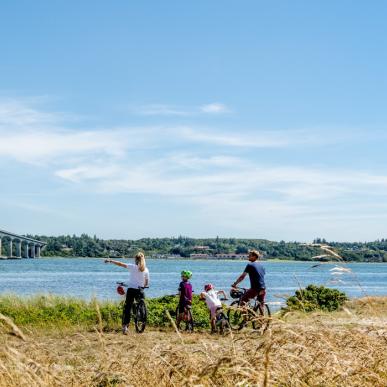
204,118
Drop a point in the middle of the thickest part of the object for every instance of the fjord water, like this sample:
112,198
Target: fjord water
91,277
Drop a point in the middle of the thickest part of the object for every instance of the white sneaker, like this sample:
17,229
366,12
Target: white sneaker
125,329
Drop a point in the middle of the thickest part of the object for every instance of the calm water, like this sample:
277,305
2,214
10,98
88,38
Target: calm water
88,277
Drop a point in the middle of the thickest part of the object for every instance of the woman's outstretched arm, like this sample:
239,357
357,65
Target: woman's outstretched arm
118,263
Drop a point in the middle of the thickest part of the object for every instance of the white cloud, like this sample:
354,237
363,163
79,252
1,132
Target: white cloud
204,168
15,113
41,146
146,160
262,139
173,110
88,172
195,162
193,177
215,108
60,146
162,110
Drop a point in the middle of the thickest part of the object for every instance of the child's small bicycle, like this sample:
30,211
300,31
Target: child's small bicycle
187,318
222,324
139,309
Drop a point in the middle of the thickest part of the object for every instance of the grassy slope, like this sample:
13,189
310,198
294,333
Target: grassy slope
342,348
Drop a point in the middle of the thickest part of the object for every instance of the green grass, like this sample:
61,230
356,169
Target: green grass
51,310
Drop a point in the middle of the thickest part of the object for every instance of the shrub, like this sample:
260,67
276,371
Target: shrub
316,297
157,308
45,310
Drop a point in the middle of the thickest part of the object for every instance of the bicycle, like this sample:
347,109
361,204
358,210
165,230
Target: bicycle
240,315
187,318
139,308
222,323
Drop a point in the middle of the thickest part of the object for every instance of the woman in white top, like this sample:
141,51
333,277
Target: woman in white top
138,279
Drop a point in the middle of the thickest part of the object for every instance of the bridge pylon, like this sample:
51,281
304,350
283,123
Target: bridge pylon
19,246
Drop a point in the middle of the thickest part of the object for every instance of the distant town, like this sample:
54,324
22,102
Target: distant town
207,248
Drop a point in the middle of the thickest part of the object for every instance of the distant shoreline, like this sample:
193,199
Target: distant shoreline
274,260
207,248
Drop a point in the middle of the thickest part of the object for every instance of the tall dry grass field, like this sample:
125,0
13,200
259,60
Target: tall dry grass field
346,348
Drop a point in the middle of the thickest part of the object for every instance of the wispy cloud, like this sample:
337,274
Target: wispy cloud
34,136
123,157
162,110
194,176
215,108
15,113
44,145
204,167
242,198
67,146
182,111
86,172
261,139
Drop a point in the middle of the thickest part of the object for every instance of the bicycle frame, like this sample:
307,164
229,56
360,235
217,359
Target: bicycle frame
139,309
254,311
254,299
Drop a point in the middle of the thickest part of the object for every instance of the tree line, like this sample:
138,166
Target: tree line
87,246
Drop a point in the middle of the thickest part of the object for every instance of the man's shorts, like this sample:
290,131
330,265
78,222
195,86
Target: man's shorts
252,293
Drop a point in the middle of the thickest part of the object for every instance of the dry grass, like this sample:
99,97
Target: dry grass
347,348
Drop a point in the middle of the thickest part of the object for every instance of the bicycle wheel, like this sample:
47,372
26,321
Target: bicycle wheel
189,323
261,318
235,316
177,318
222,324
123,312
140,317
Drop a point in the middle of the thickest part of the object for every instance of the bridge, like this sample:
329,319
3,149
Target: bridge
19,246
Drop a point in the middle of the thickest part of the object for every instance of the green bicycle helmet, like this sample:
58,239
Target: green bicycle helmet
186,274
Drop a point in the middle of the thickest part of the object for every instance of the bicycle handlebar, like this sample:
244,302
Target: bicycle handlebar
238,287
126,285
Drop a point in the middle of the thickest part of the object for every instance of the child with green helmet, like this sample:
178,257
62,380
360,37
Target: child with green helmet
185,294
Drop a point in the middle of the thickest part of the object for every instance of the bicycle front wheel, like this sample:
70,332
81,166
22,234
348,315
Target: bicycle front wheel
140,317
235,316
261,319
189,323
222,324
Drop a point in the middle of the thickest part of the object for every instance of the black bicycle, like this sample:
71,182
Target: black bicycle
240,315
187,318
222,324
139,308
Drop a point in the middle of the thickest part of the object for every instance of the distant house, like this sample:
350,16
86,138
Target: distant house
231,256
201,248
199,255
218,256
166,256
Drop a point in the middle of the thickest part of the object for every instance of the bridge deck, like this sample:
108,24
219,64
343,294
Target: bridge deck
18,245
4,233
